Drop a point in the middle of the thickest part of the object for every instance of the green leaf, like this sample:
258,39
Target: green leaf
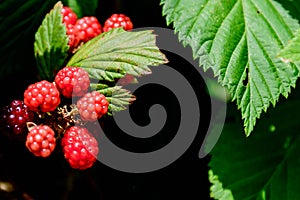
51,43
82,8
265,165
216,190
117,52
239,41
291,53
118,97
19,21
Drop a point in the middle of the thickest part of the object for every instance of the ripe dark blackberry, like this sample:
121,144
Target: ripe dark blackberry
69,16
116,21
42,96
80,148
72,81
88,27
16,115
41,140
92,106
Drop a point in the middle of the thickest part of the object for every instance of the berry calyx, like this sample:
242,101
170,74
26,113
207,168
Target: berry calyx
40,140
42,96
16,115
116,21
88,27
92,106
69,16
80,148
72,81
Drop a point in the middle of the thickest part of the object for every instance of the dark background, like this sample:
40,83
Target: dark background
52,178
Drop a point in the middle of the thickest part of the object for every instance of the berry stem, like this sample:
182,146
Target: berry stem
30,125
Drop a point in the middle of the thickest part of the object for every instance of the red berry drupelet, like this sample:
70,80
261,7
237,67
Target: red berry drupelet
116,21
41,141
69,19
88,27
72,34
16,115
92,106
69,16
80,148
72,81
42,96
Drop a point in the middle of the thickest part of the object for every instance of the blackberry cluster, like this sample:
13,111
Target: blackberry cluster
45,119
81,30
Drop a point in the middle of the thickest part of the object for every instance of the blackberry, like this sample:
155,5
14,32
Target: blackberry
116,21
88,27
69,16
80,148
92,106
41,140
16,115
72,81
42,96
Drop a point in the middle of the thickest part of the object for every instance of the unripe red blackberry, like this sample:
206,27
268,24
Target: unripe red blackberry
41,140
88,27
69,16
80,148
73,36
16,115
127,79
72,81
42,96
116,21
92,106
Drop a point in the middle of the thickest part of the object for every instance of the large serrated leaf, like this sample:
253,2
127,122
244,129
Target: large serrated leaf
265,165
117,52
239,40
51,44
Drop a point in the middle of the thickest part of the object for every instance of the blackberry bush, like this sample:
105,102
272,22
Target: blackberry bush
76,83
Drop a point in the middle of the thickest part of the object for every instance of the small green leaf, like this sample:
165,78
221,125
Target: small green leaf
239,41
117,52
51,43
118,97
